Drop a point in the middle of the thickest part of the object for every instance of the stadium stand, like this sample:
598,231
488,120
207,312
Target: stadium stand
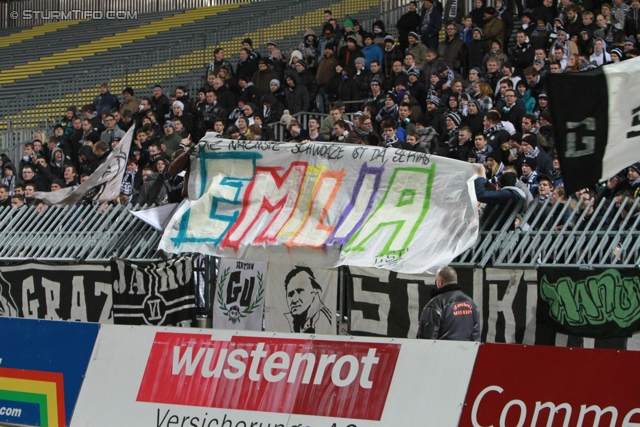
443,99
167,55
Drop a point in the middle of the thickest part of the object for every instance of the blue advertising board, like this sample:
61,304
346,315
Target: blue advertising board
42,366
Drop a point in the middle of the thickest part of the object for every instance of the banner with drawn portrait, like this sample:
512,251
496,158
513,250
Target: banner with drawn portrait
301,299
239,295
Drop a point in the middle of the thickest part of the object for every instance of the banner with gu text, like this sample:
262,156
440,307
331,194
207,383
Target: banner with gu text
325,205
161,377
239,295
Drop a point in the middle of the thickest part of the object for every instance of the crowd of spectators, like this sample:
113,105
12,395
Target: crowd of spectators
476,96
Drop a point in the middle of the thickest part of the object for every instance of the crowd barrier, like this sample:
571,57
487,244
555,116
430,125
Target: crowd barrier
159,376
557,307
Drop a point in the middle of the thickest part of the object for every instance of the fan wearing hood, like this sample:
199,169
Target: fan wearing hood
297,95
349,90
379,33
9,178
272,109
57,162
600,55
477,13
506,17
407,23
540,34
88,160
309,48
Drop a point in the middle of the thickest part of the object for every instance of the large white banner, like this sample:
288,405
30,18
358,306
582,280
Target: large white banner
301,299
102,186
325,205
161,377
239,295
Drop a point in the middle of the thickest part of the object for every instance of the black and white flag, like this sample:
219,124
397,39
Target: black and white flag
102,186
160,293
596,120
78,293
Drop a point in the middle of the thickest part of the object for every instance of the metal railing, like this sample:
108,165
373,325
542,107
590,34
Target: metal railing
585,234
580,233
75,234
21,13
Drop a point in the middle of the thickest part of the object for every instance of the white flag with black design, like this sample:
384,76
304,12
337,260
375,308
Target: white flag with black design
596,120
301,299
102,186
239,295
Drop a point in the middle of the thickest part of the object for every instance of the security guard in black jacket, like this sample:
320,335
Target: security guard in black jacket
451,314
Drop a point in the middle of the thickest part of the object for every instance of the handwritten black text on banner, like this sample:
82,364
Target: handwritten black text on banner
325,205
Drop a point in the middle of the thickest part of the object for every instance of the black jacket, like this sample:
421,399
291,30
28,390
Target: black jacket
450,315
226,98
297,96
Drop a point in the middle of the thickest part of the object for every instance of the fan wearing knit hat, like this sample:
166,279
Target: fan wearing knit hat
531,151
452,121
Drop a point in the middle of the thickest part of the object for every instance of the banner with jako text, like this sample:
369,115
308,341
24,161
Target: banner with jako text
325,205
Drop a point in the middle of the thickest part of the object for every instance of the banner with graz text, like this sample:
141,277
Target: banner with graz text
325,205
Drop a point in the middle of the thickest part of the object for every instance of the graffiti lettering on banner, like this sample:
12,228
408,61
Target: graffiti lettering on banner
159,293
596,304
60,292
301,299
384,303
325,205
240,295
